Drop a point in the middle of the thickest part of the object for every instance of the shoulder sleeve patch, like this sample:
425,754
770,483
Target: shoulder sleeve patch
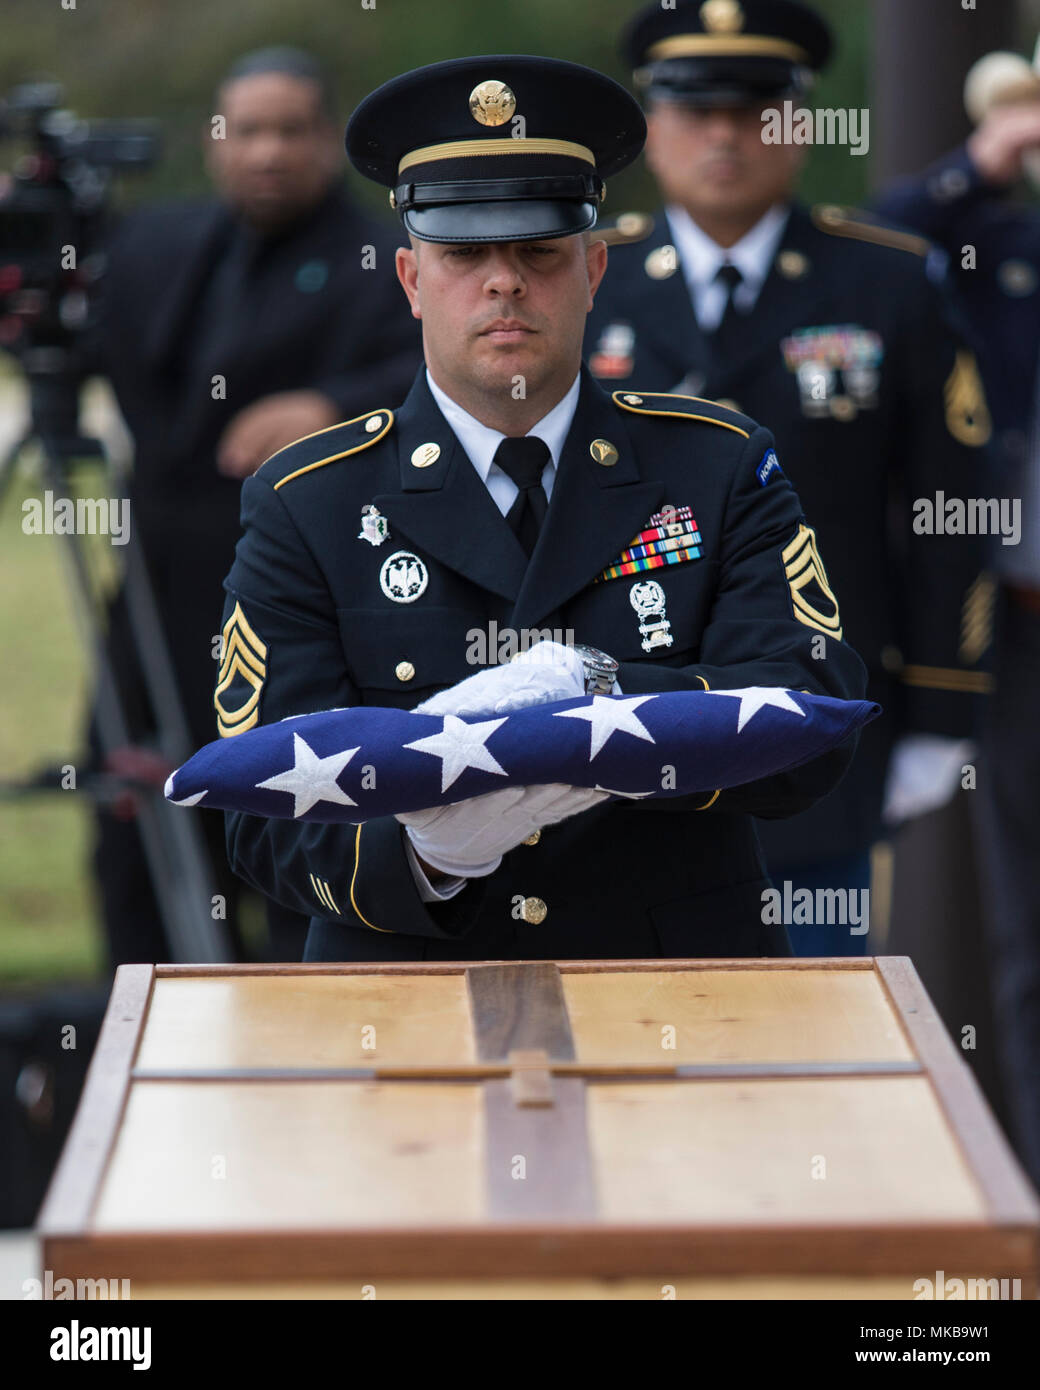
629,227
684,408
329,445
851,222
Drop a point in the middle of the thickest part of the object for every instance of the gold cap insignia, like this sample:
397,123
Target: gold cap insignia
792,265
661,262
967,415
722,16
603,452
491,103
425,454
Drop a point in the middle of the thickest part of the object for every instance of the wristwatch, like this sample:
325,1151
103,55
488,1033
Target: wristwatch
600,669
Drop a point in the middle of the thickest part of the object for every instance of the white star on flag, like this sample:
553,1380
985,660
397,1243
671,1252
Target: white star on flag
610,715
756,697
312,779
460,745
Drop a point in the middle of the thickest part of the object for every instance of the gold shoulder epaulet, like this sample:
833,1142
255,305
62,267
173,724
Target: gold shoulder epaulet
329,445
851,222
684,408
629,227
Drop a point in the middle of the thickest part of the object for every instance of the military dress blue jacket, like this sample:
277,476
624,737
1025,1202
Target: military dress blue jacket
319,616
849,358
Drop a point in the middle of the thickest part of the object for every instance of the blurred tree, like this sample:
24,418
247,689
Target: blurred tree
158,58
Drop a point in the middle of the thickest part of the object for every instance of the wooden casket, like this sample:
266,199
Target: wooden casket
605,1129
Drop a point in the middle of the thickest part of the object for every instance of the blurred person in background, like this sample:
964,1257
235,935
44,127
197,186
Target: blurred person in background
228,327
966,203
827,328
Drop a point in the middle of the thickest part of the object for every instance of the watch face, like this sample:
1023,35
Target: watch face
595,657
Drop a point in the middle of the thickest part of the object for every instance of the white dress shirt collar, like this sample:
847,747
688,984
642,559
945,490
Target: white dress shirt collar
480,441
700,256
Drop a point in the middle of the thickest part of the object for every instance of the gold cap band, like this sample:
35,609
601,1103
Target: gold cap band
726,45
466,149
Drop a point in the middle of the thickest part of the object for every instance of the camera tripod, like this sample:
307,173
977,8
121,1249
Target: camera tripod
174,848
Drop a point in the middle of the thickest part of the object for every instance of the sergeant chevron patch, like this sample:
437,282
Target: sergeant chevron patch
243,670
804,568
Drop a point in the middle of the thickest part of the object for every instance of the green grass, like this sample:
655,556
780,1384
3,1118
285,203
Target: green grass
48,929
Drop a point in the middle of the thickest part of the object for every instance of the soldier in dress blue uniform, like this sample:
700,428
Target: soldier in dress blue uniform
658,537
964,200
828,329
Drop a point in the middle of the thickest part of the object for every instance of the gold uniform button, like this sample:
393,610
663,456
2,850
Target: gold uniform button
632,400
404,670
533,839
373,424
533,911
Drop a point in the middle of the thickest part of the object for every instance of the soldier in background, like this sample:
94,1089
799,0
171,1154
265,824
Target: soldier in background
229,326
827,329
965,200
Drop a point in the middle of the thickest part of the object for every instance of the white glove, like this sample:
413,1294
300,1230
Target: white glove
469,838
923,775
545,672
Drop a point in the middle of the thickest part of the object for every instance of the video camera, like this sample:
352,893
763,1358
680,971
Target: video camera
52,215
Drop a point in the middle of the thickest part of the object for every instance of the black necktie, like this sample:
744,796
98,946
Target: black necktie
730,326
524,461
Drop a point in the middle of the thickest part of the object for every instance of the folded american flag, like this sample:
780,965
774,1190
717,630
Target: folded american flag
358,763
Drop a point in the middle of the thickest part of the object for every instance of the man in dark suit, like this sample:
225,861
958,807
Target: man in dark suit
228,327
828,329
656,539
